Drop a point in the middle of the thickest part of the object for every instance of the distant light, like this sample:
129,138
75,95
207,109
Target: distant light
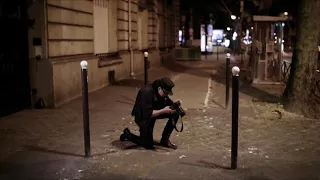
282,24
233,17
226,42
251,27
228,28
234,36
285,13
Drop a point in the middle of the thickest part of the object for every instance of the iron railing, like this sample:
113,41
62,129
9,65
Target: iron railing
285,70
315,87
315,84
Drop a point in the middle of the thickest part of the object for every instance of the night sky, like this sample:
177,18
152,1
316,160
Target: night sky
202,9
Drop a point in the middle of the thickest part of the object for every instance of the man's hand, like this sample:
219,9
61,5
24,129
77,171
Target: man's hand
178,101
167,110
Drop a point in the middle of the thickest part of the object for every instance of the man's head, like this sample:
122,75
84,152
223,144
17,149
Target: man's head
165,87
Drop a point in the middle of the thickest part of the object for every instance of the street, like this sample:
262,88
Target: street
48,143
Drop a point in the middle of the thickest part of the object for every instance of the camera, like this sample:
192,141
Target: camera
177,106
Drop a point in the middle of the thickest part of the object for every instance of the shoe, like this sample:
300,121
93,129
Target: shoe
167,143
125,135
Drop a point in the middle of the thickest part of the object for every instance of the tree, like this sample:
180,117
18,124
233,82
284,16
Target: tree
297,95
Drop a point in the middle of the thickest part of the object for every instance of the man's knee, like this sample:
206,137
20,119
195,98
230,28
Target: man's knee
147,142
148,145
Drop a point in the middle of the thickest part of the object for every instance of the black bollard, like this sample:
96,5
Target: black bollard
145,68
227,79
217,52
85,110
235,111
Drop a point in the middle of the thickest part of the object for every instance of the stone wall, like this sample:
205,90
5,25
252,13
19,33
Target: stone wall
99,31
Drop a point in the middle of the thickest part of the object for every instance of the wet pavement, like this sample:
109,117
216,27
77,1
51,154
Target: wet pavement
273,144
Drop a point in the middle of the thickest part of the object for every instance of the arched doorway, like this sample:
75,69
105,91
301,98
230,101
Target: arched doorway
14,61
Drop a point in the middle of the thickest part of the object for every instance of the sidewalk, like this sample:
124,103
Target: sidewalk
48,144
43,136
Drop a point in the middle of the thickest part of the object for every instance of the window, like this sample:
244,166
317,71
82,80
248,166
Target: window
143,29
161,30
105,26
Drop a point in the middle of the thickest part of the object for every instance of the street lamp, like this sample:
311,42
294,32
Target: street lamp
228,28
233,17
285,13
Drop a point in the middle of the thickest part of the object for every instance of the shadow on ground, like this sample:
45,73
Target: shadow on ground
183,67
127,145
246,88
191,67
124,145
205,164
53,170
135,83
30,148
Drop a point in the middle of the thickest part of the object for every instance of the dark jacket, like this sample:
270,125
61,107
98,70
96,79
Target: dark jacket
148,100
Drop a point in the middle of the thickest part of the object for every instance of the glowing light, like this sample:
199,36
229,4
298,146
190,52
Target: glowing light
203,43
226,42
246,39
233,17
234,36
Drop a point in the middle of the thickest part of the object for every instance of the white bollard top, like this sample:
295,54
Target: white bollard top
145,54
84,64
228,55
235,71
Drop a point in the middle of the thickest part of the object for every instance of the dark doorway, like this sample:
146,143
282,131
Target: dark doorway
14,62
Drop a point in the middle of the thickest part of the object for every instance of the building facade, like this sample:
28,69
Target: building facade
110,34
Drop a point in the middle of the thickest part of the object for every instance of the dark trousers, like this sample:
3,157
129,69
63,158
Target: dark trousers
146,133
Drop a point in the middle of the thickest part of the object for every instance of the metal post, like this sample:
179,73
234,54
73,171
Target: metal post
217,51
234,47
85,110
227,79
235,111
145,68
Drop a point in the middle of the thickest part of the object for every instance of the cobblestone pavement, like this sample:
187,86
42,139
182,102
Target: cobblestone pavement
48,144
